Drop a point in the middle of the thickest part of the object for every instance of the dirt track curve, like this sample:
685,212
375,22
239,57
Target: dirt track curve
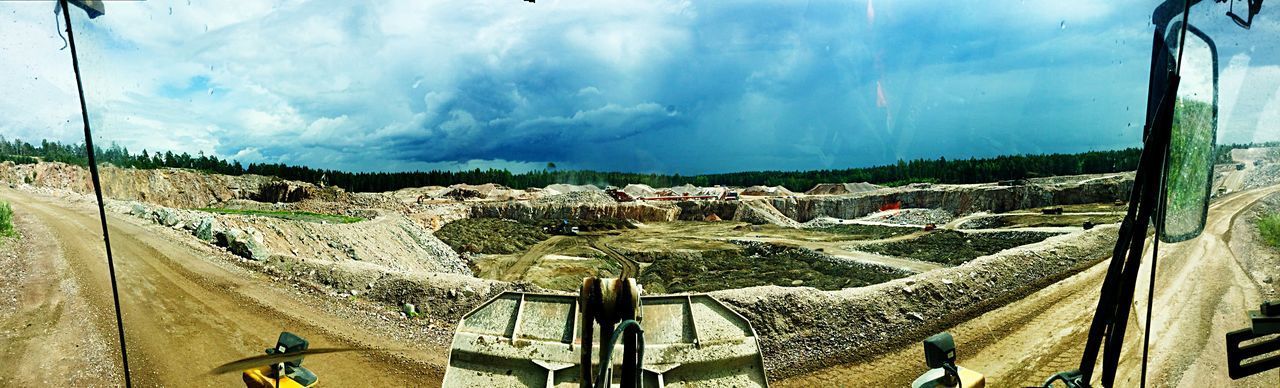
1202,293
184,314
630,268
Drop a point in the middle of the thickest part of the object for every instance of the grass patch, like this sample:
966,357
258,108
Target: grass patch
598,225
758,264
288,215
6,220
490,235
955,248
1269,228
868,232
1041,220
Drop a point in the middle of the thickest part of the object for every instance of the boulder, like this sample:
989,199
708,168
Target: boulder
137,209
165,217
240,244
204,229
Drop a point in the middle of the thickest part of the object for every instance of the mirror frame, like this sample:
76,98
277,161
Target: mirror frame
1173,33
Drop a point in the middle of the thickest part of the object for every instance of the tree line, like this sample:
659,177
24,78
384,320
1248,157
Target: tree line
941,170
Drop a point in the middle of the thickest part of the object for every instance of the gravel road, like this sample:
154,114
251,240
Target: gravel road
184,312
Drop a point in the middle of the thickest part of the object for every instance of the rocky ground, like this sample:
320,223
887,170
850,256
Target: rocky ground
1261,261
391,256
804,329
918,217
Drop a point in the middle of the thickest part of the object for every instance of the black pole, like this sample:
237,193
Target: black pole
97,190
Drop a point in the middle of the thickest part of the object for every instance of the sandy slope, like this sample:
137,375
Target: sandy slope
184,314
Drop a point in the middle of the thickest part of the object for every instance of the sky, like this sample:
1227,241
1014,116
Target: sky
651,86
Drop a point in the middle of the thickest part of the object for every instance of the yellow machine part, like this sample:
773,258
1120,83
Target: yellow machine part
260,377
972,379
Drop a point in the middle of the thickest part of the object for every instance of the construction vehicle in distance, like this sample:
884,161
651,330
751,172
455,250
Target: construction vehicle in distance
619,195
564,228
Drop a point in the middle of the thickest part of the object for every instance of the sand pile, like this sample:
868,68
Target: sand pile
561,188
767,191
842,188
575,198
639,190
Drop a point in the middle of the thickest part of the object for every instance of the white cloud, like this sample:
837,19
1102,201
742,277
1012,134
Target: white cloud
430,83
1248,101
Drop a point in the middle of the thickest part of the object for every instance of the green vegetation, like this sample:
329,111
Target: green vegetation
597,225
499,236
1190,167
21,152
288,215
6,220
941,170
955,248
1269,228
758,264
490,235
868,232
1042,220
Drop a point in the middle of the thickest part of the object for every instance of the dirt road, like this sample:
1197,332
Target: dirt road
630,268
527,259
184,313
1202,293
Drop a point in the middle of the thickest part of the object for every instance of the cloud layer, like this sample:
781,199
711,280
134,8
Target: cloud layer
664,86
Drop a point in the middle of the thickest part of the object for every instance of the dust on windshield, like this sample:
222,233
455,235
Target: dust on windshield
427,193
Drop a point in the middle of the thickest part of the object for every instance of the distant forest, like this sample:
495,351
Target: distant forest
941,170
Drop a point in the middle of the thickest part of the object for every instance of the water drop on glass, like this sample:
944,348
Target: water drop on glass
1063,25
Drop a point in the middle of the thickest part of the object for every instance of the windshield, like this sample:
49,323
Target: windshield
829,182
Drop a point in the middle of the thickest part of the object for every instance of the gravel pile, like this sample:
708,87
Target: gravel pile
917,217
985,222
822,222
768,191
561,188
395,244
688,189
842,188
639,190
576,198
1265,175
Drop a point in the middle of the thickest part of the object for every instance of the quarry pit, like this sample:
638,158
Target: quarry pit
902,260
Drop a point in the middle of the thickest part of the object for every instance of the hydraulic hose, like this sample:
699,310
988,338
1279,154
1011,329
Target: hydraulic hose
602,380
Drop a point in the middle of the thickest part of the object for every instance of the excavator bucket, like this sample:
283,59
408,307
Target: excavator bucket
522,339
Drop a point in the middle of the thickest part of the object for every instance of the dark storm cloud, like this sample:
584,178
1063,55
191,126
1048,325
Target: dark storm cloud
650,86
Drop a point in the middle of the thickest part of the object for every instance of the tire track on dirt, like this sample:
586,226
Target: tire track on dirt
184,315
630,268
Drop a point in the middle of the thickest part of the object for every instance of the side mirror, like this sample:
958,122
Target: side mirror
940,357
1189,174
939,350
